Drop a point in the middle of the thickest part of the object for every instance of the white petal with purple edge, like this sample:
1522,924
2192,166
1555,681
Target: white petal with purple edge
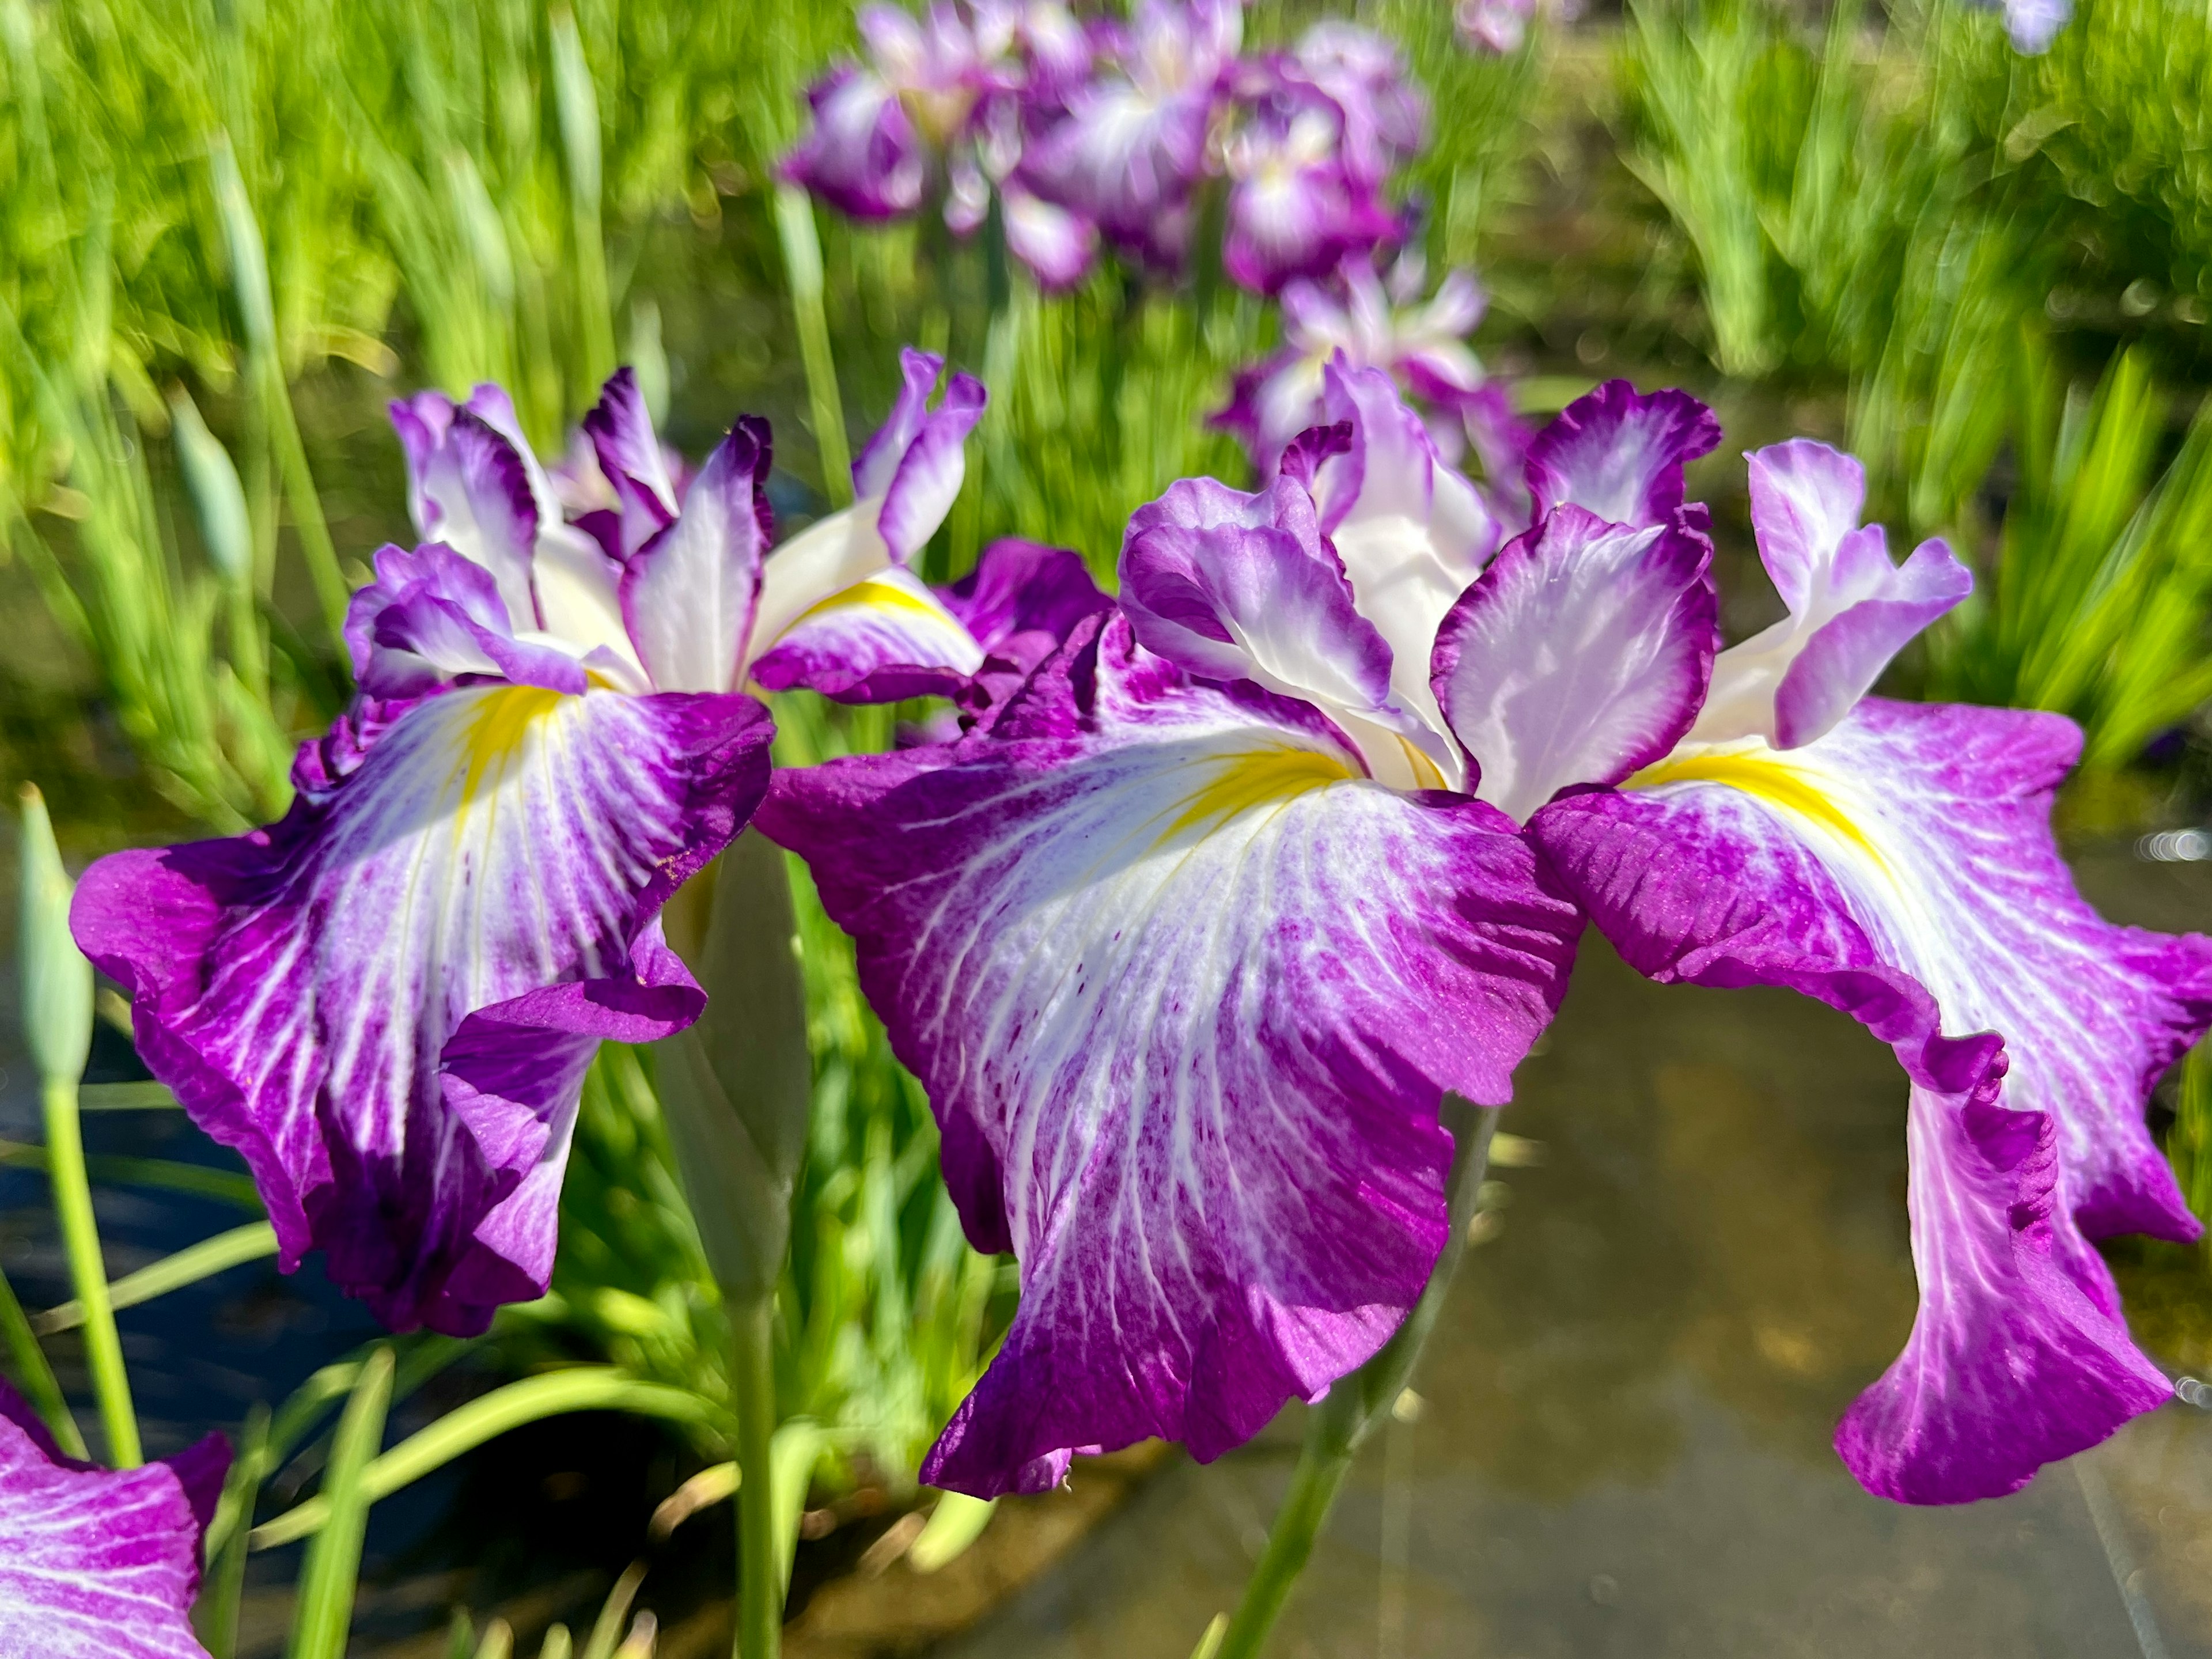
689,597
889,620
1911,847
927,480
1185,999
1620,453
1580,654
386,1002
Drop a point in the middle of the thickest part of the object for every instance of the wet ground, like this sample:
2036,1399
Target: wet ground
1620,1446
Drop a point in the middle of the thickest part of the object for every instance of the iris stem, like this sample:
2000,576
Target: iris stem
752,1384
1336,1428
103,1348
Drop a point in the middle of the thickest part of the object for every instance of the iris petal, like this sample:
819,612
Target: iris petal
1186,991
386,1002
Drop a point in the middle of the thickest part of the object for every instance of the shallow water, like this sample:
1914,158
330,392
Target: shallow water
1622,1442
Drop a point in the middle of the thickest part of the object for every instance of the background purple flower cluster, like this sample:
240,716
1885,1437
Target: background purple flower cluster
1125,135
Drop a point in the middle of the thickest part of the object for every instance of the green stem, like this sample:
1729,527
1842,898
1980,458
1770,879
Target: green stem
34,1374
103,1349
1336,1427
315,544
802,264
760,1574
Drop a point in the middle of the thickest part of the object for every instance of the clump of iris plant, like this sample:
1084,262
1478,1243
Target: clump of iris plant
1190,936
1111,132
387,1001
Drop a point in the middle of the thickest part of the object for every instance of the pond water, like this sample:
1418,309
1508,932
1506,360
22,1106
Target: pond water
1621,1445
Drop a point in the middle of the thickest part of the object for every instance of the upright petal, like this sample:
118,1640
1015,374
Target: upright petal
1620,453
99,1564
385,1003
1412,533
689,595
1901,868
468,487
1851,610
927,480
1186,991
879,460
631,458
1580,654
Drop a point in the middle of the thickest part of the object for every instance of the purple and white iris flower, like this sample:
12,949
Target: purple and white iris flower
1377,322
941,106
97,1562
1297,204
387,1001
1188,936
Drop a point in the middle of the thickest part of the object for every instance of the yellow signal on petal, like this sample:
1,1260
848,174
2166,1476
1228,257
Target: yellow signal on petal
1253,778
499,727
1761,773
870,593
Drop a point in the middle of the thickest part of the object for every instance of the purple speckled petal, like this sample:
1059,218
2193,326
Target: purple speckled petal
469,486
386,1002
1235,587
1620,453
882,639
879,459
631,459
862,155
99,1564
1851,610
688,596
1902,868
1186,991
922,489
1580,654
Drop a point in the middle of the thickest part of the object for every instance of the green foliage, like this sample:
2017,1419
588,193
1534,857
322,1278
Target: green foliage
2095,602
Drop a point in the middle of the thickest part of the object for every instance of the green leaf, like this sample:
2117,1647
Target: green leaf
218,499
195,1178
793,1452
250,1242
125,1097
582,1388
215,1615
606,1629
324,1615
33,1374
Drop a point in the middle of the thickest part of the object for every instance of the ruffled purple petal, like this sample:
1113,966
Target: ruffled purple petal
1186,991
690,595
883,640
431,615
1620,453
1902,868
469,486
1021,593
1234,587
632,461
386,1002
922,489
1580,654
99,1564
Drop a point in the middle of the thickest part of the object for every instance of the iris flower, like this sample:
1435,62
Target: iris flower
100,1564
387,1001
1383,322
1188,936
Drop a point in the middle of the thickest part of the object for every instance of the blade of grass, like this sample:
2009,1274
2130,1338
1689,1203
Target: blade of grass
34,1374
584,1389
210,1256
214,1616
324,1615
